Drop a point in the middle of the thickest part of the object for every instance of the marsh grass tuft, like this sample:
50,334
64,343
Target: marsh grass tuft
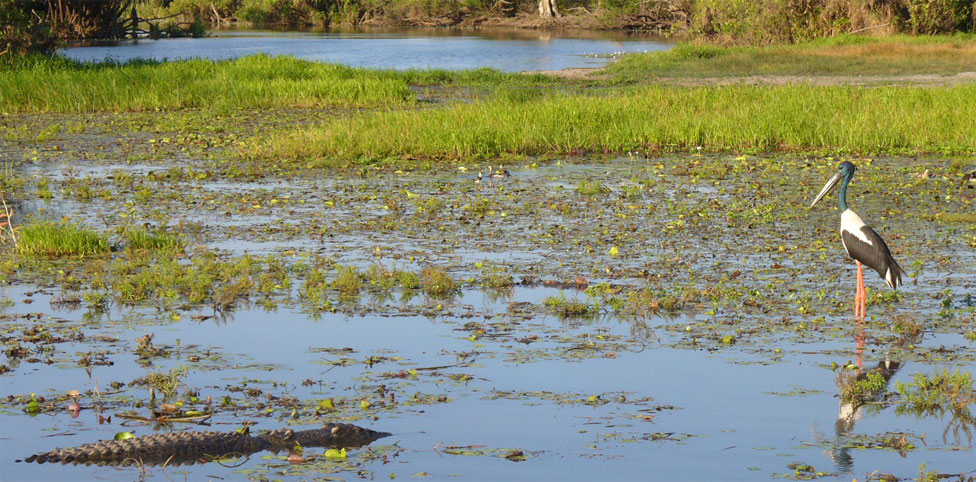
52,240
153,240
314,291
591,188
167,383
348,282
437,282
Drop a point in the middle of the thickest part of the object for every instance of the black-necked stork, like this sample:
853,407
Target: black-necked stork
861,242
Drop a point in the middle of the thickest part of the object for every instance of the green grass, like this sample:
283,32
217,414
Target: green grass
53,240
252,82
153,240
258,81
730,118
845,55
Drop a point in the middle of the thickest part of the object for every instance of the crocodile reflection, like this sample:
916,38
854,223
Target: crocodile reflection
190,447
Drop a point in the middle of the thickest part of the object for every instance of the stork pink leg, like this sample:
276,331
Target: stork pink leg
862,296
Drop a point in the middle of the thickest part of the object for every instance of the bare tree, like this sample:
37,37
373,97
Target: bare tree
548,9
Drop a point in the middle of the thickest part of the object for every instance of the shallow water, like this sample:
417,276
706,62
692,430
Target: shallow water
742,412
615,395
392,49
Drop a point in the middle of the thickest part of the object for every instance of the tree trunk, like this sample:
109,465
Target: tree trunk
548,9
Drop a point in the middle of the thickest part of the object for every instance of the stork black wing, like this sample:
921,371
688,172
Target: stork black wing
875,255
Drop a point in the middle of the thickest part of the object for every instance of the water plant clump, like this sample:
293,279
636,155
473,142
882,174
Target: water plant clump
437,282
153,240
943,391
568,308
348,282
51,239
858,390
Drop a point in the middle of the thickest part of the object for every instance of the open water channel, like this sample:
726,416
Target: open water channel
506,50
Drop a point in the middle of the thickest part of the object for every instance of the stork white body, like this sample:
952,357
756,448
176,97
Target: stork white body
860,241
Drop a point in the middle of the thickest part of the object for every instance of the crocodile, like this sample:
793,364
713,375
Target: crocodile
191,447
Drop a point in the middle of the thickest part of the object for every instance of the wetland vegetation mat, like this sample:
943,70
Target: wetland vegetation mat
576,319
582,318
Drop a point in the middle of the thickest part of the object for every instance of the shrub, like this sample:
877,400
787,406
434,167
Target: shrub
22,32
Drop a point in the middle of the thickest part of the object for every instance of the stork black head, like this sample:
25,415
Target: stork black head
845,171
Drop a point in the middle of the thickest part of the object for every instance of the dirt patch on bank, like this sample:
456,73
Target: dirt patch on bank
923,80
574,73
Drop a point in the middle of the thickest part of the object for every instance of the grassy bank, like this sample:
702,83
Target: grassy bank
250,82
731,118
840,56
257,81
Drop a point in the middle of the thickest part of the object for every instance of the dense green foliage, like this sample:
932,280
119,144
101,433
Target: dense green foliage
740,21
735,118
774,21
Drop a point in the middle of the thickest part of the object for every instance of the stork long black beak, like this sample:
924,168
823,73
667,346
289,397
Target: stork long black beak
827,187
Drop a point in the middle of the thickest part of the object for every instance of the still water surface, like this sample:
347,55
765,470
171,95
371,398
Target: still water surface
480,375
399,49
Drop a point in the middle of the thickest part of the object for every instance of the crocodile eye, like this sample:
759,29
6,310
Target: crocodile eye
335,430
